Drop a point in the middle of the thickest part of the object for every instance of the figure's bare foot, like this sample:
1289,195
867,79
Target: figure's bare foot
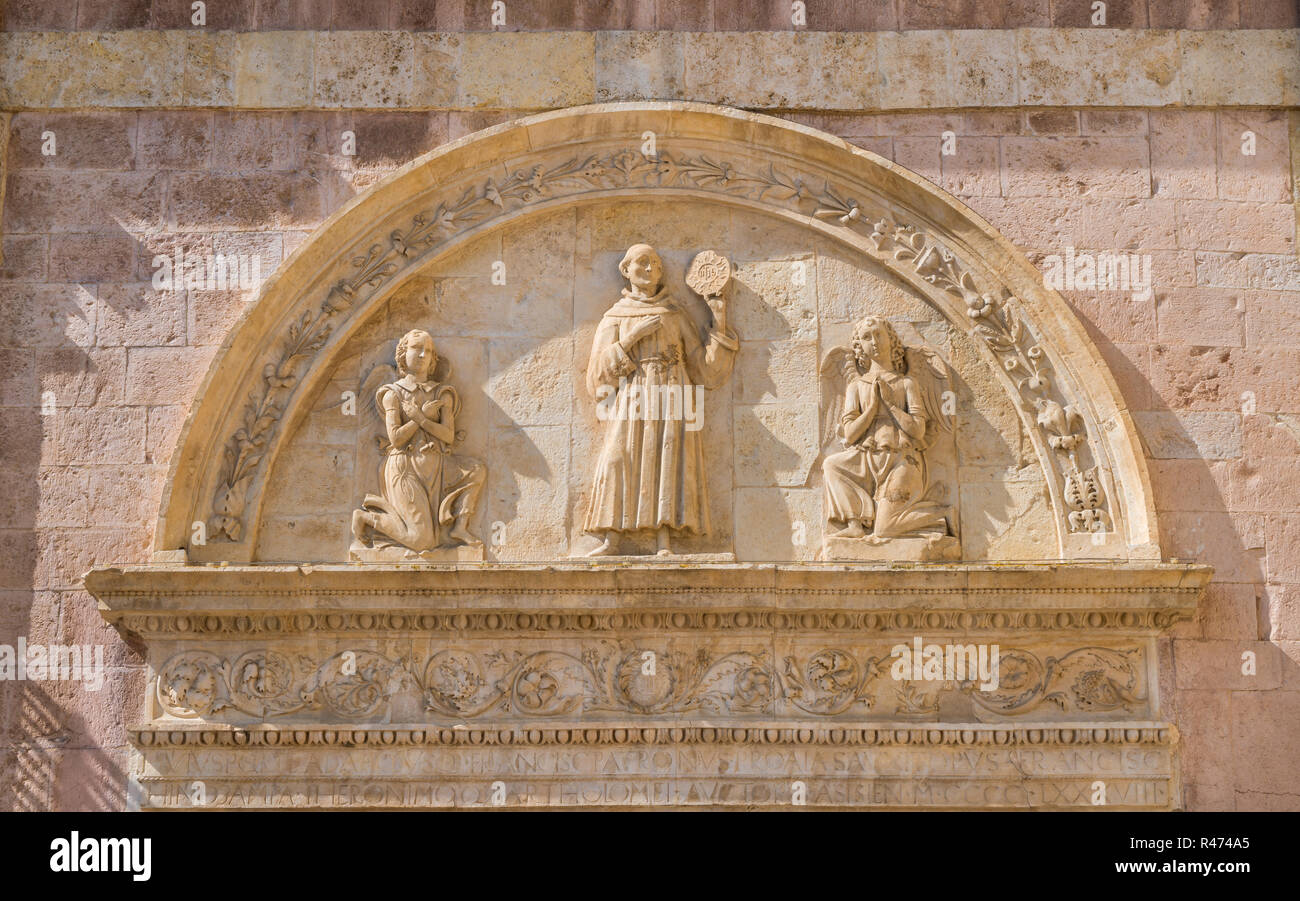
362,520
603,549
460,533
854,529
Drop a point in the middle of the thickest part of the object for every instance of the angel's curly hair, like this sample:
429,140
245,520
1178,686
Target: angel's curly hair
897,353
405,342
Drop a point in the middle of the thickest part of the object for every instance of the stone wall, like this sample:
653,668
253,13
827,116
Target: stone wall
229,139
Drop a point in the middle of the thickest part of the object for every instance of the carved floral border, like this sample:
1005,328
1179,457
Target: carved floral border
608,677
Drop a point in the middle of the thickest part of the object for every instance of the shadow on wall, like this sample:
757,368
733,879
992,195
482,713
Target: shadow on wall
61,396
1233,731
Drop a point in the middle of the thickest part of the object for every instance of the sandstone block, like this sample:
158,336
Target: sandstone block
164,375
92,257
1218,665
1250,68
137,315
273,69
363,69
561,70
1097,67
100,435
1053,167
639,65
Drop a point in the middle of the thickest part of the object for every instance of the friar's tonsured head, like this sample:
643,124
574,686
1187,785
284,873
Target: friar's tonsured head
643,268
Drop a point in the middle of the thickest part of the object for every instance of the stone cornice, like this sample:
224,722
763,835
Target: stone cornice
823,71
239,602
198,735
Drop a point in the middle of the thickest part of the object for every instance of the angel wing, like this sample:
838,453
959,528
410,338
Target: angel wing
372,418
933,379
838,366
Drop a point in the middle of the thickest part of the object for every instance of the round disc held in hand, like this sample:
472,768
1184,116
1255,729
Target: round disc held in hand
709,273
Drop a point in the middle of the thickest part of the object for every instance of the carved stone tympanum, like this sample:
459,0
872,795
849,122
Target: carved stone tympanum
880,500
649,364
426,496
854,630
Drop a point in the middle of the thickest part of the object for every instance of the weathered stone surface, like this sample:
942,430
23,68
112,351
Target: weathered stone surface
1207,367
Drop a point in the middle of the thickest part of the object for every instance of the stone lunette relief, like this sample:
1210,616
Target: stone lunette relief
885,404
648,362
899,245
427,495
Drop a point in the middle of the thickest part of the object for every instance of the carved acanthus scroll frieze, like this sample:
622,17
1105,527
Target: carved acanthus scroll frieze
609,677
899,245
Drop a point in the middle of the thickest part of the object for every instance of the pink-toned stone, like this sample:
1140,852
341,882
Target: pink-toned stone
1053,167
163,430
1213,538
1140,225
1052,122
79,140
1199,378
165,375
1115,123
61,497
24,257
77,377
175,140
973,168
1216,665
136,315
1205,725
1182,160
1236,226
1266,485
251,201
17,377
1283,537
1281,607
47,316
1271,434
100,435
1229,611
1189,485
1276,272
82,201
1201,316
92,257
1265,729
921,155
66,555
1263,176
1271,317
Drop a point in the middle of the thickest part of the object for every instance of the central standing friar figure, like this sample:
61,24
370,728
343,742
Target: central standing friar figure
647,354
